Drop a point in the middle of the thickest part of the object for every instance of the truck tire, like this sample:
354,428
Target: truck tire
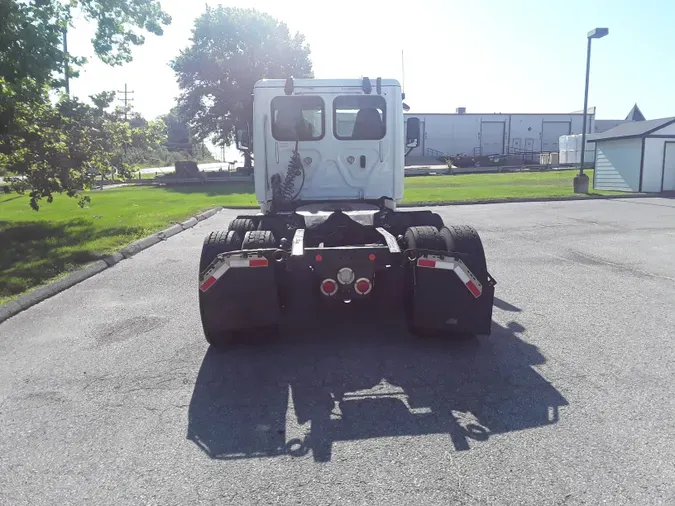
215,243
424,237
242,225
259,239
421,237
465,240
218,242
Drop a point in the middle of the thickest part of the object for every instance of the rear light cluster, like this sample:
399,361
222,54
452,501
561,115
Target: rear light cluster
346,277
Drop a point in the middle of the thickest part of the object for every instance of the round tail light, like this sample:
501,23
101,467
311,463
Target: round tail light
329,287
363,286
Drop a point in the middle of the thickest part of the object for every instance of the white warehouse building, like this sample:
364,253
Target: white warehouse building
490,134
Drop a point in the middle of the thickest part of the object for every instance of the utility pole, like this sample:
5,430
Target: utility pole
126,100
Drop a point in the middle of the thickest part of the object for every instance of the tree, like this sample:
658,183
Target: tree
34,132
64,145
31,34
231,49
177,143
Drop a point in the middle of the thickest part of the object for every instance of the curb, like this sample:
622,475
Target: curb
44,292
506,200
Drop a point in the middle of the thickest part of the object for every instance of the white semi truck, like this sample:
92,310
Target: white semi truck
329,172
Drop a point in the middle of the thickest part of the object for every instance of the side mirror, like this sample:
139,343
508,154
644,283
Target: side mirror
412,133
243,140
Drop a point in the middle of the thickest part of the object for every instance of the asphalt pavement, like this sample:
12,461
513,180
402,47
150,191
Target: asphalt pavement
110,395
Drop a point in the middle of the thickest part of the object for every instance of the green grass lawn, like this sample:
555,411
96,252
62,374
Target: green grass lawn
430,189
36,247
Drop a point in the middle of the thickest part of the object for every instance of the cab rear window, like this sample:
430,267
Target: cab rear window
298,118
359,117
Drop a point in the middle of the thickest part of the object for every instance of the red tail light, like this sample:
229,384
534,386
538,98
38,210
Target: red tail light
363,286
329,287
258,262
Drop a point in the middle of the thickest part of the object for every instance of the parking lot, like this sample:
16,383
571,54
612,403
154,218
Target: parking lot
110,395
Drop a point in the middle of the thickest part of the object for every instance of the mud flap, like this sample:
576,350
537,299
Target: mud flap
298,294
243,298
441,300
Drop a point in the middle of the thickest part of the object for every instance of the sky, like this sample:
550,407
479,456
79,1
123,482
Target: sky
504,56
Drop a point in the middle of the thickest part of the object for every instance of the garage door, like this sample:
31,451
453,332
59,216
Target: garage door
669,167
551,132
492,137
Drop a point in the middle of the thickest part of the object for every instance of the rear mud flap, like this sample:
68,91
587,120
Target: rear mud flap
442,301
243,298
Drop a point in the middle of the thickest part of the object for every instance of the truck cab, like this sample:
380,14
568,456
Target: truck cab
346,138
329,171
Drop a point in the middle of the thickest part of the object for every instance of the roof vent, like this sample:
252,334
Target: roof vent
461,110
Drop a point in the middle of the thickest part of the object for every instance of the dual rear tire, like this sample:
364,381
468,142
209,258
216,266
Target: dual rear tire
217,242
242,225
462,240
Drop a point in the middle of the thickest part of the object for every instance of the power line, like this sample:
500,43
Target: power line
126,100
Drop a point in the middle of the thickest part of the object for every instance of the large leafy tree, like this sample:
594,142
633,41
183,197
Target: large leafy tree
63,146
52,146
31,34
232,48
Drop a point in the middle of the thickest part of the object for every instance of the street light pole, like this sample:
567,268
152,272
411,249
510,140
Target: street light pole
583,132
581,180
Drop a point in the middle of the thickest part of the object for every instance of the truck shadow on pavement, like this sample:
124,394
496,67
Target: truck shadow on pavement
354,381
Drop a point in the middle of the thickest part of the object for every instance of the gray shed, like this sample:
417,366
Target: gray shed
636,156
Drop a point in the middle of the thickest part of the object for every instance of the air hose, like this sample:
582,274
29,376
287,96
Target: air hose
285,191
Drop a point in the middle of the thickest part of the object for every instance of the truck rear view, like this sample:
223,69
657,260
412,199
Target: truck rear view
329,171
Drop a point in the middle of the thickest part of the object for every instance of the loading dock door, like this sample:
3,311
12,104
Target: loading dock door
551,132
492,137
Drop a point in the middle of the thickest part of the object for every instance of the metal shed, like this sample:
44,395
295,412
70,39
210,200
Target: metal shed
636,156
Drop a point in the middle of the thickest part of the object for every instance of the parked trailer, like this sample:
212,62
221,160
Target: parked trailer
328,174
